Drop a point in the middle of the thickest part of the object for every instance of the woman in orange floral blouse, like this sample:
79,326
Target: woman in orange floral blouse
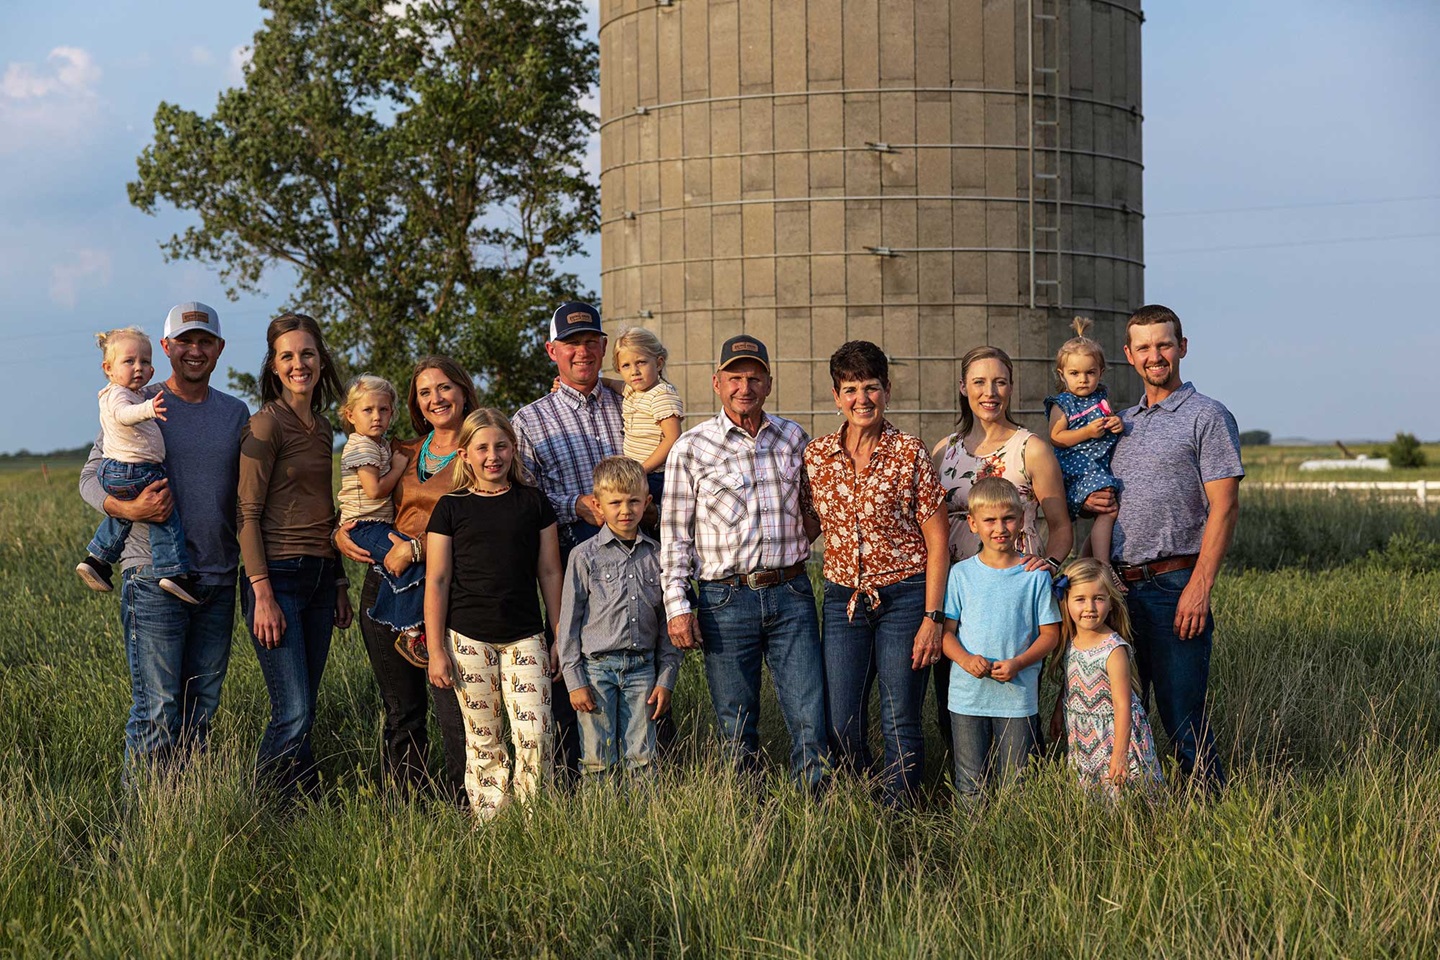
987,443
880,504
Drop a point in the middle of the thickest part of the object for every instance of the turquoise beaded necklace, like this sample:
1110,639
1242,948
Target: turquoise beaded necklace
428,464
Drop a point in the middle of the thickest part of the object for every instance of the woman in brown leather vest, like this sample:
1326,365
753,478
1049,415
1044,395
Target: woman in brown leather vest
440,396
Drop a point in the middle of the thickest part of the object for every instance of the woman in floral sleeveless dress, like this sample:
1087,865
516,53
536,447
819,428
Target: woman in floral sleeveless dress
987,443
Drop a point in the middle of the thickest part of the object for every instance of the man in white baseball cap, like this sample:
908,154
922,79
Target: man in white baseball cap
178,652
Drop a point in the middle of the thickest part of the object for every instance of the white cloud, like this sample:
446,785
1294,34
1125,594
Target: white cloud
201,56
50,102
240,57
71,71
89,268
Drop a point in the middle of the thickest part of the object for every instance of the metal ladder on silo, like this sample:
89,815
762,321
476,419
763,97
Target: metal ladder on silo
1044,205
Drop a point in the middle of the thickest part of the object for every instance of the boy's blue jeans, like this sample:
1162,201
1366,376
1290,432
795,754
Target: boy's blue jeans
125,481
620,728
990,750
400,601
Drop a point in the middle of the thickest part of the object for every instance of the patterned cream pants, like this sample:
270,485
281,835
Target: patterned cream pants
486,676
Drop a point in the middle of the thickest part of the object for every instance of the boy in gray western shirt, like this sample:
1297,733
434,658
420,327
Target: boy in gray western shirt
617,658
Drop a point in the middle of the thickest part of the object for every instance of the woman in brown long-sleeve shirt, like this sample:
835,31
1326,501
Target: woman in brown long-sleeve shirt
294,588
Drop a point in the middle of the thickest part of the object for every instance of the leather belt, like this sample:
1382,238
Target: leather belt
1130,573
764,578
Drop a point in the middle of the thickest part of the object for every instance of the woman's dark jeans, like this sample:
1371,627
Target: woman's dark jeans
404,694
305,592
878,643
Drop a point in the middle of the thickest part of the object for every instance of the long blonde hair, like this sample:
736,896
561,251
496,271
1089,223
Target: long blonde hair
486,417
1090,570
1079,343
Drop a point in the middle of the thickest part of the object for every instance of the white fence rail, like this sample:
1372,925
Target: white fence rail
1419,489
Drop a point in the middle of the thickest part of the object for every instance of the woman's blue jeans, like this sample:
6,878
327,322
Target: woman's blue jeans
305,590
878,643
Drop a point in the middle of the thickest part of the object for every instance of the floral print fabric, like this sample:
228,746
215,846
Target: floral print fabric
872,520
960,469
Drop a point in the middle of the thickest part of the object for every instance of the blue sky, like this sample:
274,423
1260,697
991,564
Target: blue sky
1292,193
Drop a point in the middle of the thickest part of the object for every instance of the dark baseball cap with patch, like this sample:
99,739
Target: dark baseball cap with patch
574,317
743,347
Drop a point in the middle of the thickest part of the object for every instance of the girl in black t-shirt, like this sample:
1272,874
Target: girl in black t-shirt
487,546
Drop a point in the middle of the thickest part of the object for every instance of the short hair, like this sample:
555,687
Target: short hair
620,474
465,476
859,360
110,340
1153,313
642,341
363,386
994,492
1078,344
454,373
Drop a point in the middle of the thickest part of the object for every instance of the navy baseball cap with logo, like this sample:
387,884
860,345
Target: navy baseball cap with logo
191,315
743,348
574,317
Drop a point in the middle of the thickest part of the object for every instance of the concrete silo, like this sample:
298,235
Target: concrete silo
928,174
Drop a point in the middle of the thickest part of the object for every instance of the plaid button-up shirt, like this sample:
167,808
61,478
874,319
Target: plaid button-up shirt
734,504
563,435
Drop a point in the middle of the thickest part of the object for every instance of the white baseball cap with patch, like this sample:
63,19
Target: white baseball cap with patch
191,315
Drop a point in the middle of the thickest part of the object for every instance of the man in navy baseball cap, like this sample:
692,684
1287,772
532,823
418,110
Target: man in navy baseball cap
574,317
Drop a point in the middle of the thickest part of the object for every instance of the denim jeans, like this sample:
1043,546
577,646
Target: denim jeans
991,750
877,644
178,654
1178,671
125,481
405,692
305,591
741,628
620,728
400,601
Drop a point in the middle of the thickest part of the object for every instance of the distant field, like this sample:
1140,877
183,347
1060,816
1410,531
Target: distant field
1325,845
1277,463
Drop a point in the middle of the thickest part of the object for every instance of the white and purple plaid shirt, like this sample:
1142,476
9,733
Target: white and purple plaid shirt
733,504
563,435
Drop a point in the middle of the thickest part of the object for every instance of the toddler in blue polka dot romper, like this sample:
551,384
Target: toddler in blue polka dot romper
1084,431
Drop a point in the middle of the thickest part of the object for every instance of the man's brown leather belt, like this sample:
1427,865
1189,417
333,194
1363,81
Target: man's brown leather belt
764,578
1144,571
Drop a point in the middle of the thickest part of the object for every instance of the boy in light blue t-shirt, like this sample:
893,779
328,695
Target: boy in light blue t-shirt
1000,622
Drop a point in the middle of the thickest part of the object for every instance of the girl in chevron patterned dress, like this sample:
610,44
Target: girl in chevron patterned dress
1109,748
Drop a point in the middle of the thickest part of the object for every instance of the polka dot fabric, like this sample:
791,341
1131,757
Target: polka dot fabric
1085,466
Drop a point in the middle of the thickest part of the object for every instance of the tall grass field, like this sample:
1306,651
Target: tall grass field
1326,696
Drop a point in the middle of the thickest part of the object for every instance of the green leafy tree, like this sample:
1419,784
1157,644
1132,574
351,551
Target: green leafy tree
417,165
1255,438
1404,451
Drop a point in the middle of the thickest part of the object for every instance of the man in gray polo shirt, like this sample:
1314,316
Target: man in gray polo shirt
1178,463
178,652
